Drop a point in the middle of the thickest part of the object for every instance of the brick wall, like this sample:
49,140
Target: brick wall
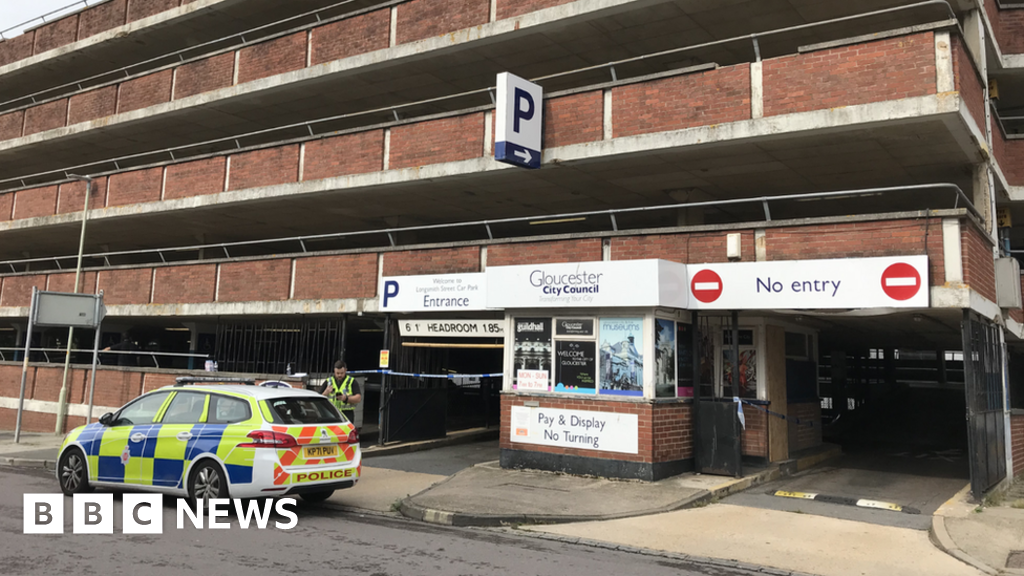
204,75
574,119
699,248
6,206
35,202
979,267
17,290
135,187
351,36
441,261
195,178
11,124
128,286
184,284
1008,27
139,9
264,167
511,8
342,155
46,116
101,18
344,276
92,105
1017,438
803,436
66,282
260,280
71,195
965,78
444,140
1009,154
56,34
582,250
672,432
754,438
679,102
421,19
17,48
116,387
888,69
273,57
145,91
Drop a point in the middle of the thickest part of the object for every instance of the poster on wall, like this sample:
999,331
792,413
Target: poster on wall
622,361
531,354
575,367
664,358
684,359
748,372
574,327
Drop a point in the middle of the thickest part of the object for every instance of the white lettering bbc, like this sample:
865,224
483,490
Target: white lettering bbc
143,513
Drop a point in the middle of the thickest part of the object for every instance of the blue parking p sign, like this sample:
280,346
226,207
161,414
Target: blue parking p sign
518,124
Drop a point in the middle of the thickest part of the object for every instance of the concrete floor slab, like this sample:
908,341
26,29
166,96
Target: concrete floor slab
800,542
380,488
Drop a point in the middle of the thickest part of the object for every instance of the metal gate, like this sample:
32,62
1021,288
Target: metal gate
983,375
718,441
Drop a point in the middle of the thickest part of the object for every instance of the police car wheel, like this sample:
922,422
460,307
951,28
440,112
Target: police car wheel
316,496
74,473
206,482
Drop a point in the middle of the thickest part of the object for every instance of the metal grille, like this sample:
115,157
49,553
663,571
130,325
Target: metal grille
310,347
983,375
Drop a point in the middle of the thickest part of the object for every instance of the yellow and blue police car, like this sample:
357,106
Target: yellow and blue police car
216,441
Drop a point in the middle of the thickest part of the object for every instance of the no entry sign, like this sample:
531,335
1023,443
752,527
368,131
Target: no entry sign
706,286
842,283
900,281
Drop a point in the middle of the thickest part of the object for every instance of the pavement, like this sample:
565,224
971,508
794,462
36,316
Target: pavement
719,520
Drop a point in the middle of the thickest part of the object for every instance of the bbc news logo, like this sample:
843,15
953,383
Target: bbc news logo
143,514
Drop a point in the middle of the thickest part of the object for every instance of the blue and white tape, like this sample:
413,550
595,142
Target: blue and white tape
416,375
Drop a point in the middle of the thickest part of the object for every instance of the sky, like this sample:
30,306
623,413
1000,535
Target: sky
13,12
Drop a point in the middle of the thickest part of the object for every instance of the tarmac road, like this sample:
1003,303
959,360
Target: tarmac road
323,542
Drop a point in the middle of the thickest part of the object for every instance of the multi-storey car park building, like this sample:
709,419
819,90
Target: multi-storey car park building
262,170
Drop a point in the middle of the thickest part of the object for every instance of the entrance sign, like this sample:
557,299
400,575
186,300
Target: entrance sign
614,284
518,121
888,282
605,431
433,293
452,328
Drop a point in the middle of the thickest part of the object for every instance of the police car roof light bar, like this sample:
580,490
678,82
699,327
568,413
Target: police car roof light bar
183,380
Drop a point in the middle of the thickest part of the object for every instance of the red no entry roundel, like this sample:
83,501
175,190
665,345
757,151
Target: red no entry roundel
901,281
706,286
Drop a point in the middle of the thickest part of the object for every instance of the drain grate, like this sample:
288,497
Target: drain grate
1015,559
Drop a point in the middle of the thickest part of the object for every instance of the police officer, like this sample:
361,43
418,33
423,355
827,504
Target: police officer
343,390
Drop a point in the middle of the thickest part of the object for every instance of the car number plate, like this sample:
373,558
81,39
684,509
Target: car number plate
320,451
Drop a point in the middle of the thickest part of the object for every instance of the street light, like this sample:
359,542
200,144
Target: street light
62,402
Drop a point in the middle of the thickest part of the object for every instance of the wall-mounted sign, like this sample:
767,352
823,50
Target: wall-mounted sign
532,380
889,282
452,328
605,431
574,327
385,358
615,284
434,293
518,121
531,352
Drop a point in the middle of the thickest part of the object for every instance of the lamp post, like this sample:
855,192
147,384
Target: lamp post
62,402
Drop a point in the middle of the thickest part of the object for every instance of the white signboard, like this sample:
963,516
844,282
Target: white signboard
606,431
532,380
889,282
518,121
622,283
433,293
453,328
69,309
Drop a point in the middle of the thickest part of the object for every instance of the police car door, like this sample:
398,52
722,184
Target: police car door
123,443
180,430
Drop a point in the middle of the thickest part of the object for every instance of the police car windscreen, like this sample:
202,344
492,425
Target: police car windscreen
304,410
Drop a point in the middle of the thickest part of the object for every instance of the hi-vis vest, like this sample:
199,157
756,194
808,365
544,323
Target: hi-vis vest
344,389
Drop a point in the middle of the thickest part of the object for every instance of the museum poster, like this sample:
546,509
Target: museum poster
664,358
622,361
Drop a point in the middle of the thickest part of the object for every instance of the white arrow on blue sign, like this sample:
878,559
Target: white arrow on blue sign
519,122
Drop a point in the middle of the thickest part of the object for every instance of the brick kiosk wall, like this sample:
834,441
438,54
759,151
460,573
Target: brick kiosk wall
1017,440
665,440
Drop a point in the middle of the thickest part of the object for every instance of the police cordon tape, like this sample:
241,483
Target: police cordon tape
845,500
796,421
416,375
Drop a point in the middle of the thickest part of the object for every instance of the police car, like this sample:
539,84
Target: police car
216,441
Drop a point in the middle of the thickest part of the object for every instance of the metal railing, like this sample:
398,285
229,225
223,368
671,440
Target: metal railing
160,255
201,149
64,11
19,351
